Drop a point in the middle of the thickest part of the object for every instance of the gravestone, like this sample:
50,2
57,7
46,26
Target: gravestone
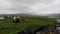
21,32
26,31
41,30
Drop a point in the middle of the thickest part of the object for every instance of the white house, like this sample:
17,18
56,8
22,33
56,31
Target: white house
58,20
1,17
16,17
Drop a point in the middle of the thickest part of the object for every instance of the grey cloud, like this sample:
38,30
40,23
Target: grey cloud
35,7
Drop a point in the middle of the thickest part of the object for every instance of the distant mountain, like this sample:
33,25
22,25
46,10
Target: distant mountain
49,16
17,15
54,16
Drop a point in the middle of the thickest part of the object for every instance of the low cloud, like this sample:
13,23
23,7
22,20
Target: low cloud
34,7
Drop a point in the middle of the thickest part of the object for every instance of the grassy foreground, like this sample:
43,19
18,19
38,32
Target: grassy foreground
31,23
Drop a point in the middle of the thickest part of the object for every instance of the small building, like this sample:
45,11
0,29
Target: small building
15,17
58,21
18,17
1,17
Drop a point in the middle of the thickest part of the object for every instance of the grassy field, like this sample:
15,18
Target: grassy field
31,23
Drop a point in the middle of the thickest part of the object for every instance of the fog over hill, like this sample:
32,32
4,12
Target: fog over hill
54,15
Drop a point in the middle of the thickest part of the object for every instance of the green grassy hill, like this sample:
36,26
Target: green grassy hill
31,23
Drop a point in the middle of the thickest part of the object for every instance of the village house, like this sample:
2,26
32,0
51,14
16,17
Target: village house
1,17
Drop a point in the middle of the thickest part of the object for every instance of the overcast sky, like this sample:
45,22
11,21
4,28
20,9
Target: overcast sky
35,7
